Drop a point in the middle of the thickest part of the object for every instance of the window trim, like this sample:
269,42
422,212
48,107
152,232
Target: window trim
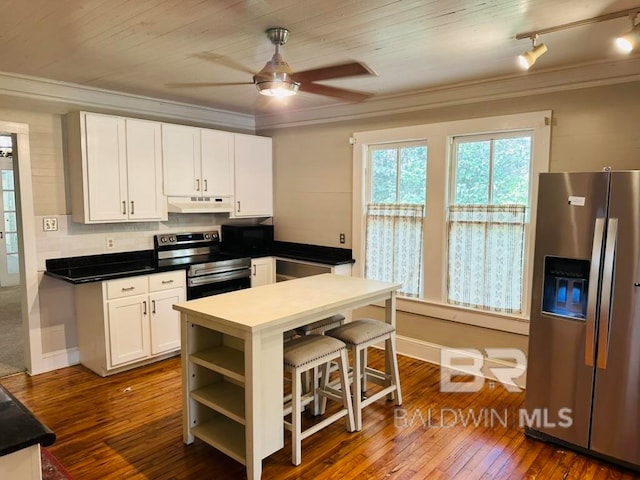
439,137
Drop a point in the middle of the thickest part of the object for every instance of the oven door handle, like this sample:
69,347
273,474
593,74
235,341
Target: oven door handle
219,277
200,271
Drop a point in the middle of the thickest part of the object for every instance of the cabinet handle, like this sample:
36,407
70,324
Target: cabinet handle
238,206
124,207
206,186
254,270
197,184
164,282
128,289
144,307
133,210
153,307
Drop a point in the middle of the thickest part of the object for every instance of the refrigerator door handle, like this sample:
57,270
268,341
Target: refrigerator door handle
607,291
592,304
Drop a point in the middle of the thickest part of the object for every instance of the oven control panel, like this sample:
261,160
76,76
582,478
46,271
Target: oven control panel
172,239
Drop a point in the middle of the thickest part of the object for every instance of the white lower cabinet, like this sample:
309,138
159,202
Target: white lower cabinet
263,271
130,321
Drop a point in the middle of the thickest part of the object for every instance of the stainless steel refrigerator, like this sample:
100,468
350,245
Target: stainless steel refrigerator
583,374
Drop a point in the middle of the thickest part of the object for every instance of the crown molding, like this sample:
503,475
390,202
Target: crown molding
61,97
512,86
22,91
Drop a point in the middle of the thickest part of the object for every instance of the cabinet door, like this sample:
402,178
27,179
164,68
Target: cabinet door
128,329
253,176
217,158
144,171
165,321
181,160
262,271
106,165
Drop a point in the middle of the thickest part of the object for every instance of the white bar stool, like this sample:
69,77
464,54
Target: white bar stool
318,328
358,335
307,353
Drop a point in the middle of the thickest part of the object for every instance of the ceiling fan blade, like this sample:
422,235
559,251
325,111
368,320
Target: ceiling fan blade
205,84
328,91
224,61
351,69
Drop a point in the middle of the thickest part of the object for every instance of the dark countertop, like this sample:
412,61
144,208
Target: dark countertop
20,428
96,268
312,253
109,266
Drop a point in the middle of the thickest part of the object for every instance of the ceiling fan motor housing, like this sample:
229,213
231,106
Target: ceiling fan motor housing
278,35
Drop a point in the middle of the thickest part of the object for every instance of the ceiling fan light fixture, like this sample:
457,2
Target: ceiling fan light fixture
277,88
276,78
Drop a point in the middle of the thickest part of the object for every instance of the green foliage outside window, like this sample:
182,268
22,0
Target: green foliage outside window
399,175
505,180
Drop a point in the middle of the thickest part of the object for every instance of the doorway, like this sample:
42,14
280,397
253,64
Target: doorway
11,326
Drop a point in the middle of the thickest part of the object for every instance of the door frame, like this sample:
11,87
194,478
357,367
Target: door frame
29,284
7,279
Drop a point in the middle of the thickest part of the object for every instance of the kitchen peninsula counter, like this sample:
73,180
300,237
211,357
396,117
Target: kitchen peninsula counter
232,363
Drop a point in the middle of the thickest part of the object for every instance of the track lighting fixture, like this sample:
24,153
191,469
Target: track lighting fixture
629,41
528,58
625,43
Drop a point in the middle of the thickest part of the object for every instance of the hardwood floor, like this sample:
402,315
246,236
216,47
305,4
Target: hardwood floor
129,426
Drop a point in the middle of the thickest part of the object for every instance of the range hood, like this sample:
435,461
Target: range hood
199,204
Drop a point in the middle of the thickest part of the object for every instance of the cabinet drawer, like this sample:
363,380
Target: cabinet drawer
166,280
126,287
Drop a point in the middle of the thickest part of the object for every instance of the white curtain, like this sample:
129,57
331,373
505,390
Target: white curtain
394,245
486,250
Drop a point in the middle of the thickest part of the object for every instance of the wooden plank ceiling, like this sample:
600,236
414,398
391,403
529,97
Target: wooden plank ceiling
141,46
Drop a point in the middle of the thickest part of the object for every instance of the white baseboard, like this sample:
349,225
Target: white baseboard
431,353
59,359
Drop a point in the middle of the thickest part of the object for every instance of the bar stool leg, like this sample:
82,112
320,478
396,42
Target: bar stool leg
343,368
391,360
356,392
296,418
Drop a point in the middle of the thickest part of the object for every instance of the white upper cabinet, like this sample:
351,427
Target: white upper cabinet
197,161
217,162
181,160
253,176
115,169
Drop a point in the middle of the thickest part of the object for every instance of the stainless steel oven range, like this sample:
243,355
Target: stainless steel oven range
209,272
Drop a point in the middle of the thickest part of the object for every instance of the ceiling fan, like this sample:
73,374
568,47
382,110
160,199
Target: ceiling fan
277,79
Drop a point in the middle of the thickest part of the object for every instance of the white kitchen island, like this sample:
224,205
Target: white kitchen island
232,367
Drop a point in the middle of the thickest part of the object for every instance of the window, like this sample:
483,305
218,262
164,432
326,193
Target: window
394,215
474,215
487,221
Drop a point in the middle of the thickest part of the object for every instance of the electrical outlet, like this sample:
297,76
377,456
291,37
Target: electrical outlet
111,243
342,238
50,224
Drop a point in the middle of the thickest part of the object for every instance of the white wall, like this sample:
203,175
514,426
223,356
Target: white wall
593,128
312,174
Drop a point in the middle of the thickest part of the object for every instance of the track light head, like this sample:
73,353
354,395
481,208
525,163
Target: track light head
629,41
528,58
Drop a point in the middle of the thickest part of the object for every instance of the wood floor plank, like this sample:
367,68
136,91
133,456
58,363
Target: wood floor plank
129,426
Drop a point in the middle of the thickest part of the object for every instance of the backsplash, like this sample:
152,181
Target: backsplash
76,239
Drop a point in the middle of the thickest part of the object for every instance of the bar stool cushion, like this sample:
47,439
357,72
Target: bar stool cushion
307,349
321,325
360,331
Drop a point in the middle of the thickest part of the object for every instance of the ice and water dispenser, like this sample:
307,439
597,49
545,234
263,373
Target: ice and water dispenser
566,283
